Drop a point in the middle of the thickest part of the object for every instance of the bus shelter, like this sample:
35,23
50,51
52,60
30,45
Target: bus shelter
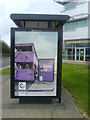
36,57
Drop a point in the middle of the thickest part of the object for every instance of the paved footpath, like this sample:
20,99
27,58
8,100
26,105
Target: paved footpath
12,109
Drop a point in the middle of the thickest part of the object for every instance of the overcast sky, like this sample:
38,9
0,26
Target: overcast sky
8,7
45,43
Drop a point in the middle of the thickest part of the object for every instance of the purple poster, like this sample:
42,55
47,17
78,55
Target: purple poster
35,58
26,62
46,70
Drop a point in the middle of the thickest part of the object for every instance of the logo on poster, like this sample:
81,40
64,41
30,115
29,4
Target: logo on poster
22,85
46,68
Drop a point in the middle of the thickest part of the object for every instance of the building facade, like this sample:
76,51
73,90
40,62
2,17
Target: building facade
76,32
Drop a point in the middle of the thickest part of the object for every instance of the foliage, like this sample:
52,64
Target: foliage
5,48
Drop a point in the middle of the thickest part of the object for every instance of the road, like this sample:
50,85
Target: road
12,109
4,62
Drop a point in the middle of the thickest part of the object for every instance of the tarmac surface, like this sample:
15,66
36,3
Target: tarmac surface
4,62
12,109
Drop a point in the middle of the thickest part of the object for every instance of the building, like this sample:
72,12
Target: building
76,45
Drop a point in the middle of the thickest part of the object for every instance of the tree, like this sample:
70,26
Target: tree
5,48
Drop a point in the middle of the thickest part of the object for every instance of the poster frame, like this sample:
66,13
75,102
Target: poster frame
59,60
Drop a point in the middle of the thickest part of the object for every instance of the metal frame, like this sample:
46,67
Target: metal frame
18,18
59,62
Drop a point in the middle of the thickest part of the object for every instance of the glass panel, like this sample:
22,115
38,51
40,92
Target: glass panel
88,44
82,54
77,24
77,54
80,45
70,26
69,45
74,57
87,58
69,57
87,51
53,24
43,24
31,24
81,1
70,5
66,45
22,23
73,45
35,70
73,51
70,51
82,23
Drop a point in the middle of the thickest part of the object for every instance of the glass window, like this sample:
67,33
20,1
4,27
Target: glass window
34,24
73,45
29,68
87,58
22,23
68,52
82,23
69,45
43,24
70,26
76,24
82,54
74,57
80,45
73,51
81,1
53,24
87,44
87,51
70,5
31,24
66,45
69,57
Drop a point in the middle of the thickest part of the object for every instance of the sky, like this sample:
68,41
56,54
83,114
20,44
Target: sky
8,7
45,43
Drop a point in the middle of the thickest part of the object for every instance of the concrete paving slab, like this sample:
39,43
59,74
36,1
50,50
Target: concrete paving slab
12,109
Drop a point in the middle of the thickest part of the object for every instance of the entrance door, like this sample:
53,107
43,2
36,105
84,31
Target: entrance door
80,54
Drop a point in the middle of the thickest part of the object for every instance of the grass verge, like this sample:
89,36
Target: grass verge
5,71
75,80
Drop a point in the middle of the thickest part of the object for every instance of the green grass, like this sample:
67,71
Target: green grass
75,80
5,71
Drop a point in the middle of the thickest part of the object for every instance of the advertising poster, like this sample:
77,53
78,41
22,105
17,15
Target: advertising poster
35,63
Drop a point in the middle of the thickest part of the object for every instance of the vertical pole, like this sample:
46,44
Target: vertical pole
12,63
59,67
